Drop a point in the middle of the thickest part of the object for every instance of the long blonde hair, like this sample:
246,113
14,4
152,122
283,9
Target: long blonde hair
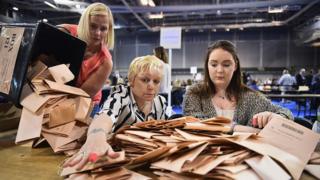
96,9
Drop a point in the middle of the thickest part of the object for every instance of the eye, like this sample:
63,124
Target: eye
145,80
93,26
156,82
227,65
213,64
103,29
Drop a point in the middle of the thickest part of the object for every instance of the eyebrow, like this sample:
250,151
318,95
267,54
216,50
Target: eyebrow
227,60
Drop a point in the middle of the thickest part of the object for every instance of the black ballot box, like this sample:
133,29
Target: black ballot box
21,44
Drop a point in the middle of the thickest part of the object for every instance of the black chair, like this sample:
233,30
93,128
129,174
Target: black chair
174,116
304,122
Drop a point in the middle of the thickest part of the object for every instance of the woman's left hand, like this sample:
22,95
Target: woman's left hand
260,120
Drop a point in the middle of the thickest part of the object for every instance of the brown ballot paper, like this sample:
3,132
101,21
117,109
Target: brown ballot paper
61,73
289,143
291,137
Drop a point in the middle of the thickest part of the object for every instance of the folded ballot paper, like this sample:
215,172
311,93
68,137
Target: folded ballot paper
190,148
53,111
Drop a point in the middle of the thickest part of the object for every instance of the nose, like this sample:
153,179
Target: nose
220,68
97,32
150,85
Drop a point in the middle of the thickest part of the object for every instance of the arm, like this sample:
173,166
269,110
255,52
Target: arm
100,127
98,78
96,142
264,111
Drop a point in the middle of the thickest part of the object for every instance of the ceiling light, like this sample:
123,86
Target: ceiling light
117,26
273,10
147,3
50,4
276,23
78,6
227,29
156,16
15,8
44,20
214,30
241,29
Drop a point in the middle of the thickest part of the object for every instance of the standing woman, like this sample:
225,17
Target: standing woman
96,29
160,53
223,94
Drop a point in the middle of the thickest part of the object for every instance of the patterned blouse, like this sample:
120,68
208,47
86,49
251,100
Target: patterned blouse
123,109
250,103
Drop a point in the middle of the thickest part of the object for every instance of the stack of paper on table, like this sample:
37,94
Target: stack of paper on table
52,110
186,148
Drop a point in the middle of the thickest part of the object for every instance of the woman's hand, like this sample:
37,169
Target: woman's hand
260,120
95,147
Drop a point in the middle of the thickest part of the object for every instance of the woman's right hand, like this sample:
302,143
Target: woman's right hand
95,145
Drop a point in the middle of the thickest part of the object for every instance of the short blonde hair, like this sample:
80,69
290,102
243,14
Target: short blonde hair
96,9
144,64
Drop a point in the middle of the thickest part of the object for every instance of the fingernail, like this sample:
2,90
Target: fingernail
93,157
254,121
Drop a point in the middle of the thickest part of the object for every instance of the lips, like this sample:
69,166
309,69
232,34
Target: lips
149,95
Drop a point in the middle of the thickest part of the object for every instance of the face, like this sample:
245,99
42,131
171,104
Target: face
221,66
98,28
145,86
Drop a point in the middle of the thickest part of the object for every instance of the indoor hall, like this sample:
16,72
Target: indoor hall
84,77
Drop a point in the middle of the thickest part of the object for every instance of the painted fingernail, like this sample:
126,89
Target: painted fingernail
254,122
93,157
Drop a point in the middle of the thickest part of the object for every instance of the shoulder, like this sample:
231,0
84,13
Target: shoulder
160,100
195,89
69,28
121,90
106,53
251,96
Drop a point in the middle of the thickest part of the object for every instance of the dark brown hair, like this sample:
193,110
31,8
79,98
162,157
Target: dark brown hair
161,53
235,86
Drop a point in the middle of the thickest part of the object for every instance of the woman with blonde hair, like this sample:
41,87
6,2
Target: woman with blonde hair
136,102
96,29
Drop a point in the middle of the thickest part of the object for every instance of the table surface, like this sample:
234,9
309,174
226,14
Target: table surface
21,162
293,95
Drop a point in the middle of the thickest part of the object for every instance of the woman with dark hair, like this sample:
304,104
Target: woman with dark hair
161,53
222,92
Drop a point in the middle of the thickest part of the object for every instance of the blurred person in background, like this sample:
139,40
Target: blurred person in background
300,77
161,53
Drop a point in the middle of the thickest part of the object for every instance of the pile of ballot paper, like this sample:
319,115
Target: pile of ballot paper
189,148
53,111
